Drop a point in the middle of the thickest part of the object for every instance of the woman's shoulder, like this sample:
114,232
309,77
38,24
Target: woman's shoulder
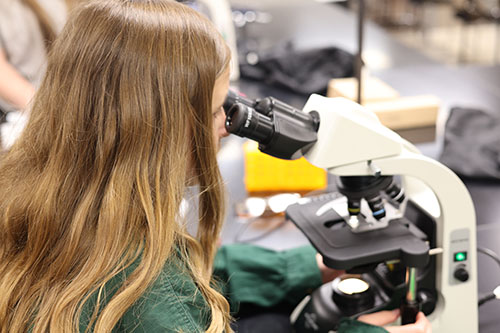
172,303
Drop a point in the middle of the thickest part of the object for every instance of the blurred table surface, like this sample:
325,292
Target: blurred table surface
310,24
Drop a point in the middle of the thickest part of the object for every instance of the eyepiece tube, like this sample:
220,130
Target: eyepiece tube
244,121
281,130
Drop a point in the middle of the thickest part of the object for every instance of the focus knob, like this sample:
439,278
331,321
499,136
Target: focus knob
461,274
427,301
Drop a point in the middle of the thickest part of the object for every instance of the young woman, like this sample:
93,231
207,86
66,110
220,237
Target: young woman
128,115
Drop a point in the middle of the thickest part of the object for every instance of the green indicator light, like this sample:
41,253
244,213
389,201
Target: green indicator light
460,256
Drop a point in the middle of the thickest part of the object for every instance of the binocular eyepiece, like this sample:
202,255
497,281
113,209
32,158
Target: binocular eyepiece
280,129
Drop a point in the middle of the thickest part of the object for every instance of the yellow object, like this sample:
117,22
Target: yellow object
264,173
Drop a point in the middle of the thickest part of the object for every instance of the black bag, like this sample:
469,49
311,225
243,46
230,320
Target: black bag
303,72
472,143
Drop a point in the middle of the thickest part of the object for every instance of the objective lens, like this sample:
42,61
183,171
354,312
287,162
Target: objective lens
353,207
395,192
376,206
244,121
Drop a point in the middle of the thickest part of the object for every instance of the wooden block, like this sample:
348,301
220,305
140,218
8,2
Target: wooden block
418,134
407,112
373,89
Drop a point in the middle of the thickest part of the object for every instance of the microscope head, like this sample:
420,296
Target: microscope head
281,130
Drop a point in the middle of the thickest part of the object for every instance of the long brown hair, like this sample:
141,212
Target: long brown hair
95,182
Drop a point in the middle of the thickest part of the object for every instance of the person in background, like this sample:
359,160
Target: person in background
128,115
27,30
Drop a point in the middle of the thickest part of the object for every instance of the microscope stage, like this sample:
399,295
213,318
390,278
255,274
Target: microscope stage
342,248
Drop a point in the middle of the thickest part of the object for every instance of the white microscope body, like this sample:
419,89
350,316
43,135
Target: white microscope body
353,142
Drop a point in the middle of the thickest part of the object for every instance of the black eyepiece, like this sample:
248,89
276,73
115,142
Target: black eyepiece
244,121
280,129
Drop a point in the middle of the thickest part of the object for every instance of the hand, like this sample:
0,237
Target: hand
327,274
381,318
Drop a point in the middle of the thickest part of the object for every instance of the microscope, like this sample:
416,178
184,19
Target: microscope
402,227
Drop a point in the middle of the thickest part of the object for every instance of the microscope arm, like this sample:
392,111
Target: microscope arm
352,142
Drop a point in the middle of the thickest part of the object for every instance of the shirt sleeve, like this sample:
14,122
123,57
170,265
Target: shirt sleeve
259,276
348,325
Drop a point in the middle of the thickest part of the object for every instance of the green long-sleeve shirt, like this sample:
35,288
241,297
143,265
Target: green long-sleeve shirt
246,274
